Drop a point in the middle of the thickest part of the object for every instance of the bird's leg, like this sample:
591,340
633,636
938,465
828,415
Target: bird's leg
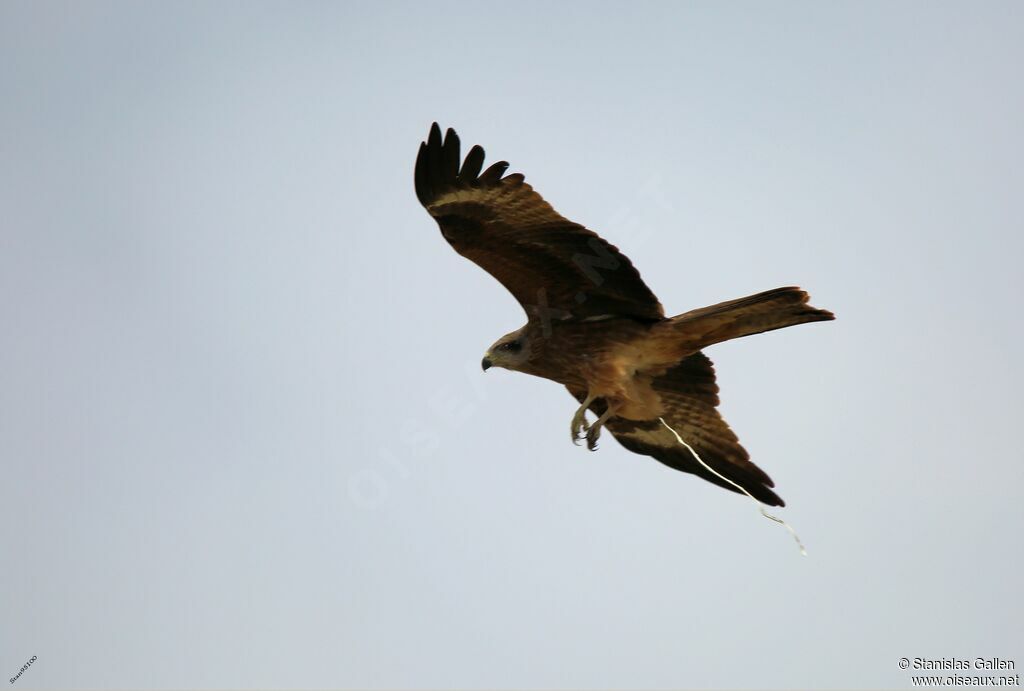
595,429
579,424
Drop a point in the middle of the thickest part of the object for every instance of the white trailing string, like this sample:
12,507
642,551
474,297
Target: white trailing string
739,487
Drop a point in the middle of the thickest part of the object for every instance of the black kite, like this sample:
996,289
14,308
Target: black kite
593,325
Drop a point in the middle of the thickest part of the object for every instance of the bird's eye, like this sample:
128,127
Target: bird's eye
512,346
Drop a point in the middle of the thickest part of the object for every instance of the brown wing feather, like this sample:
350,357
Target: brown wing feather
553,267
689,395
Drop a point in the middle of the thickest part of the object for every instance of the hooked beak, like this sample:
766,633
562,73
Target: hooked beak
485,363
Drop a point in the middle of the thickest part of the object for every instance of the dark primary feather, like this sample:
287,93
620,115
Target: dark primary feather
474,163
689,395
555,268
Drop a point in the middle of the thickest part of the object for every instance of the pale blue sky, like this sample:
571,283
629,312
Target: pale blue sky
244,436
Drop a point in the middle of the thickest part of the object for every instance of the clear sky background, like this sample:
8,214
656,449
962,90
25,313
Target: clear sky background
244,436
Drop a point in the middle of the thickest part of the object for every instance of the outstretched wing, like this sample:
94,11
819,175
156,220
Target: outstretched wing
555,268
689,395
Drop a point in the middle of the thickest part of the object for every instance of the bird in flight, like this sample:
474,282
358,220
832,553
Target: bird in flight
593,325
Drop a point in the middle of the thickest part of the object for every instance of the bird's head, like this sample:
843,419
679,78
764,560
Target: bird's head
511,351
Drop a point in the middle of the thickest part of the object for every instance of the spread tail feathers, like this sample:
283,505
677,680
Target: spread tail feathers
772,309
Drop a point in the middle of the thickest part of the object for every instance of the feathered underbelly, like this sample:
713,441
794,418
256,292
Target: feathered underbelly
615,360
625,379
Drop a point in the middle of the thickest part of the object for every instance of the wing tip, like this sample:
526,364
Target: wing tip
751,478
439,168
